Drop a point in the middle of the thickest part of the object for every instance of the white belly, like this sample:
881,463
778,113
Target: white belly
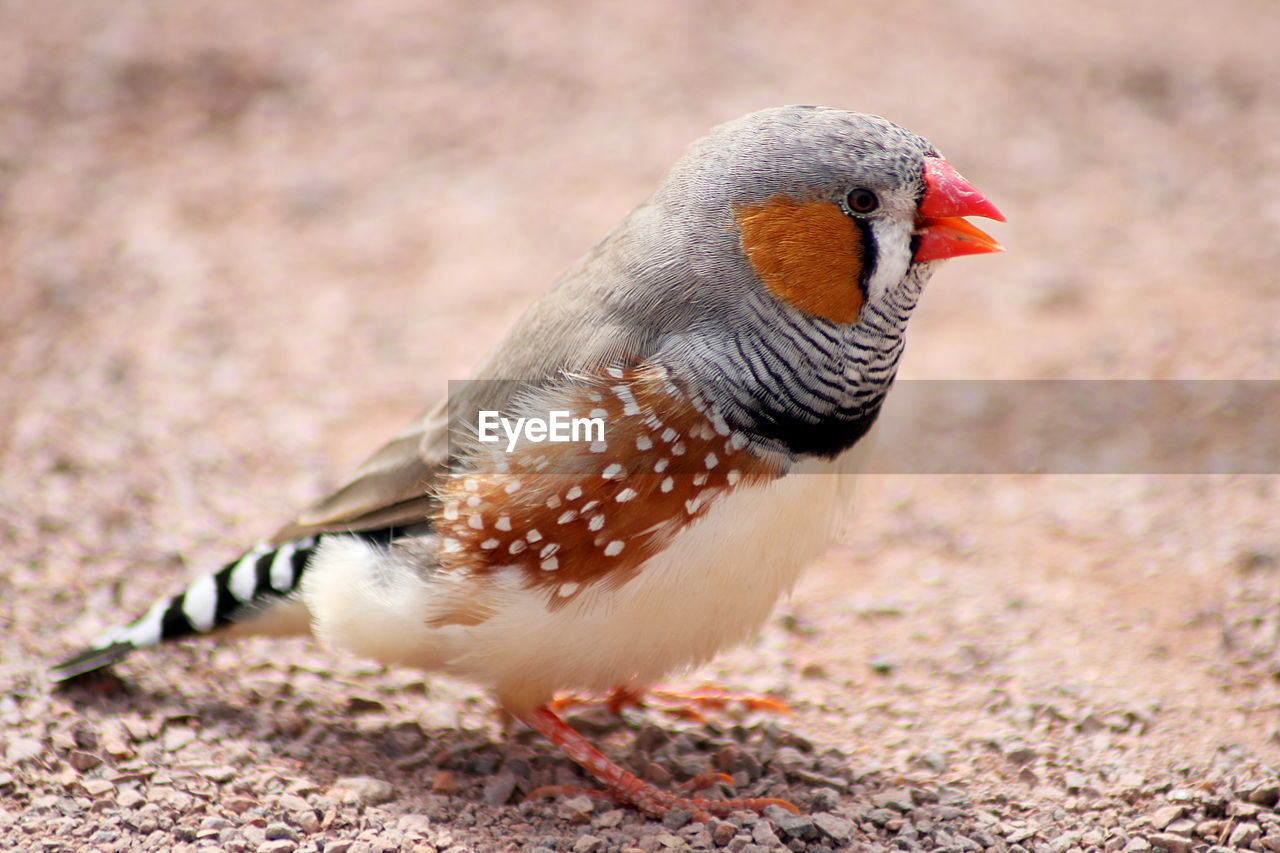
713,587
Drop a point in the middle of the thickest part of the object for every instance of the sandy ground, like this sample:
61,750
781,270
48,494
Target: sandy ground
243,243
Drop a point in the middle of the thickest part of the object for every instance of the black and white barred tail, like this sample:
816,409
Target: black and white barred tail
241,589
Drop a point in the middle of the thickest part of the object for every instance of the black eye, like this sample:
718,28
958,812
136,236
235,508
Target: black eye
862,200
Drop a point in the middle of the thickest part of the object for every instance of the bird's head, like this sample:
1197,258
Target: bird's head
829,211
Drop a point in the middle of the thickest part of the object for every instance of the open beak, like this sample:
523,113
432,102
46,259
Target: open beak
940,230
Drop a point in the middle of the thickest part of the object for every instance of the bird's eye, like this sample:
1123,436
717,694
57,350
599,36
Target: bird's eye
862,200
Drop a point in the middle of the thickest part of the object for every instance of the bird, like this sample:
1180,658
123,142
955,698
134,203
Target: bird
726,351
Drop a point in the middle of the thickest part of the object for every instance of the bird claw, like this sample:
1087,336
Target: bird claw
623,787
706,780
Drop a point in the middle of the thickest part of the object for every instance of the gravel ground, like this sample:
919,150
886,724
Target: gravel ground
241,245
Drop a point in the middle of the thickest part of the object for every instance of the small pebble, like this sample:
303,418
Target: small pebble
587,844
498,789
1244,835
799,826
176,737
762,833
279,845
361,790
1172,843
897,798
22,749
722,833
576,809
838,829
219,773
275,831
97,787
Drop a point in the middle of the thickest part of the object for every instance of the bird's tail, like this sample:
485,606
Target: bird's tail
242,589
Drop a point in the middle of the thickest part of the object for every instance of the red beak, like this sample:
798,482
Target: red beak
940,230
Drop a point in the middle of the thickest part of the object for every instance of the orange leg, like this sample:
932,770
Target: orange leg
624,787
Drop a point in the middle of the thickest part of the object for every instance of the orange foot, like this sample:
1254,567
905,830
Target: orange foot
623,787
679,704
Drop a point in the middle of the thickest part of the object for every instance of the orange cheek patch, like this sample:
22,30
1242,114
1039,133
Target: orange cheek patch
808,253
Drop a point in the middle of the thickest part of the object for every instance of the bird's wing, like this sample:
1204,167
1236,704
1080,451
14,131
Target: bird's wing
574,329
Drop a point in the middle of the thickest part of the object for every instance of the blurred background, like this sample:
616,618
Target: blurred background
243,243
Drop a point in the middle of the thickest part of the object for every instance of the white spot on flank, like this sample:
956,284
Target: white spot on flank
503,522
451,511
668,484
705,433
512,487
470,484
615,372
661,465
597,522
669,435
734,476
613,472
553,502
624,394
613,549
692,506
489,544
700,479
567,516
712,461
567,589
475,521
533,536
573,494
548,549
550,564
589,505
598,447
720,426
625,495
473,501
644,443
678,449
517,546
737,441
597,413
